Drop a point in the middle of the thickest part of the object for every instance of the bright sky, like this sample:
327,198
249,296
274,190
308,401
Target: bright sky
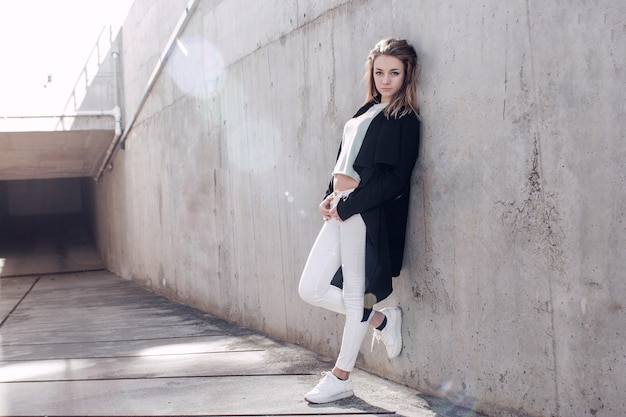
41,38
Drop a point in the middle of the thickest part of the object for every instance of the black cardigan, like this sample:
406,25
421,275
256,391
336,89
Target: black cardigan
384,163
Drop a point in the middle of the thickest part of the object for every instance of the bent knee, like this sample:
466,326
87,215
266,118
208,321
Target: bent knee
306,294
309,295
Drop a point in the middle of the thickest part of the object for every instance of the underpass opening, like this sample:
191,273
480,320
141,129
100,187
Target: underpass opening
46,227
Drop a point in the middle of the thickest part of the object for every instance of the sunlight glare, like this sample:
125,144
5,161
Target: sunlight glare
25,371
177,349
44,46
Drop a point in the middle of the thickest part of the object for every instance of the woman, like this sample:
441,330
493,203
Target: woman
361,244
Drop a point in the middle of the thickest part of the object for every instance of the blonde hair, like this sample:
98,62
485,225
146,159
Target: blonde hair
405,100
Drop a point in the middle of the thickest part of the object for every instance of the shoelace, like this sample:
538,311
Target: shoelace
325,379
378,337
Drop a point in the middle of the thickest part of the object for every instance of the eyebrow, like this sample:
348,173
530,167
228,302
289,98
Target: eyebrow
392,69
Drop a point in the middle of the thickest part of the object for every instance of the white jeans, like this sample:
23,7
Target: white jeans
339,244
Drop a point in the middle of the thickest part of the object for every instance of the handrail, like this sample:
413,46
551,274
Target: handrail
180,25
86,113
115,112
84,72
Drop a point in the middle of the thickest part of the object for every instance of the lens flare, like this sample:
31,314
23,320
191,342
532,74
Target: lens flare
254,146
466,406
195,66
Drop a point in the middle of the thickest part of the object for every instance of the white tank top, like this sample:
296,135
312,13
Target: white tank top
353,135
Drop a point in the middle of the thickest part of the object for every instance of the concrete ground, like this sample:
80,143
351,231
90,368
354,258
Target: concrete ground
93,344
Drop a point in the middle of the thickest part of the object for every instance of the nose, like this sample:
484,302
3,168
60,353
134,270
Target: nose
386,79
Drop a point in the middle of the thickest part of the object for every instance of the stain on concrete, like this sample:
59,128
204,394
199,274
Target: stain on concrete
431,286
615,307
535,221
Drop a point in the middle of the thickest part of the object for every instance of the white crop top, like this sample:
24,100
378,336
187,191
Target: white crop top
353,135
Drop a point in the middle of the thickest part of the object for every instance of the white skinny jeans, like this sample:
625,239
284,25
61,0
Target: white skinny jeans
339,244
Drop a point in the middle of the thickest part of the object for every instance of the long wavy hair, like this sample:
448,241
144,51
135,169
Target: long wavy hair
405,100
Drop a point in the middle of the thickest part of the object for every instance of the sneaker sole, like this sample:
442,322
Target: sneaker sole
337,397
397,319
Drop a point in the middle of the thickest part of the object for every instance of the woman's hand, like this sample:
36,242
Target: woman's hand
334,214
327,212
325,207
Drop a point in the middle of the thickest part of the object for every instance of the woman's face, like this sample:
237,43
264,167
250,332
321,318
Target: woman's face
388,76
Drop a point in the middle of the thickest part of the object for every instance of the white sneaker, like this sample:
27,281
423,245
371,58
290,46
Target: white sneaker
391,334
329,389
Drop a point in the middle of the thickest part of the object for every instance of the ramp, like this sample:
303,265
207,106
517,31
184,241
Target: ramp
92,344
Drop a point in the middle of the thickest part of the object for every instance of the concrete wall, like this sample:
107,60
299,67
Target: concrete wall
513,283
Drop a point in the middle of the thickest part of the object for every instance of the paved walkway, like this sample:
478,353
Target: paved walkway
92,344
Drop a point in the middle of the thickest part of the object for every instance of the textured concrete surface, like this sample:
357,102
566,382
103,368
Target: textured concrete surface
513,280
94,344
52,154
